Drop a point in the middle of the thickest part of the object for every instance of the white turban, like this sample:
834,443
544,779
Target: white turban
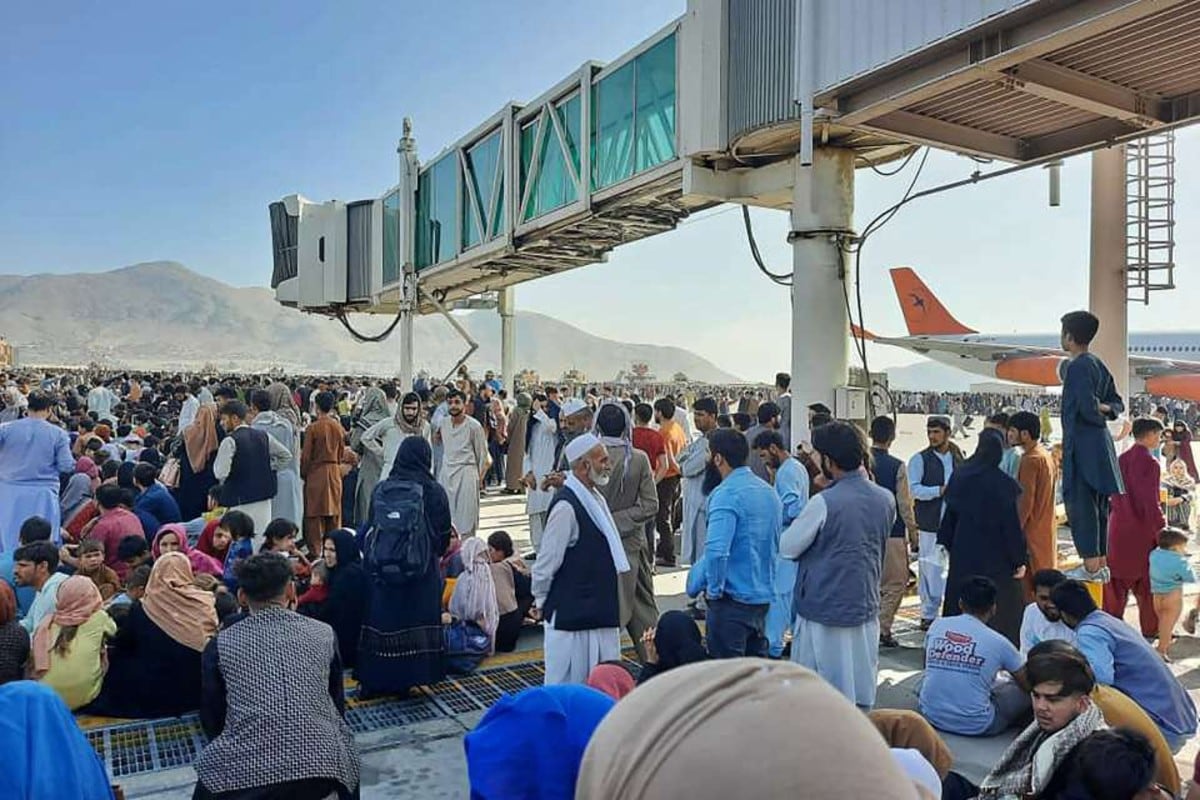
580,446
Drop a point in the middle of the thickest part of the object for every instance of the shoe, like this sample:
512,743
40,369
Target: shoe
888,640
1189,622
925,623
1081,573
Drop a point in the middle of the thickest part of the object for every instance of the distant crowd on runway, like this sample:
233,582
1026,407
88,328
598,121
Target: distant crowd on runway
260,539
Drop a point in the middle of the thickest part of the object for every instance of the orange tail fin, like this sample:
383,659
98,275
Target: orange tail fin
924,314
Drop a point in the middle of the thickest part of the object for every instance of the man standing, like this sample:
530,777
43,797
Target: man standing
541,444
1090,473
633,502
839,540
33,453
464,463
650,442
692,463
1136,520
246,461
191,403
321,457
576,577
791,484
891,474
674,440
783,399
744,520
1035,506
1010,459
441,410
929,473
768,420
101,400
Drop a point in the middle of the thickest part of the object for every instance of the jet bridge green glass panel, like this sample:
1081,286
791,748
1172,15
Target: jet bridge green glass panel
437,202
391,238
550,160
633,116
482,199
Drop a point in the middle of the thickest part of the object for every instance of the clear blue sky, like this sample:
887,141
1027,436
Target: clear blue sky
140,131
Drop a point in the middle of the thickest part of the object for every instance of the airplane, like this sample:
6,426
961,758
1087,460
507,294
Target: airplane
1164,364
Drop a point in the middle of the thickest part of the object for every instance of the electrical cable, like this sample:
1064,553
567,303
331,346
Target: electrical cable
884,173
340,315
783,279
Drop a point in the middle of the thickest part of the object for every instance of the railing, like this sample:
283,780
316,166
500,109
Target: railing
1150,215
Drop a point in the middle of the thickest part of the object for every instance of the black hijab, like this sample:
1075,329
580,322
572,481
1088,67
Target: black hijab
347,601
677,640
414,461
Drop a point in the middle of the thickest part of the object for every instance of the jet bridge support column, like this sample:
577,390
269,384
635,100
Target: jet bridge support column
822,217
1107,291
508,338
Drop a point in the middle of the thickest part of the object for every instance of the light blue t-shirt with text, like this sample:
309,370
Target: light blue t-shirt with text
962,658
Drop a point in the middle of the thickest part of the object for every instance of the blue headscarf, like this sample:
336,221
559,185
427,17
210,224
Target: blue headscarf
46,756
530,745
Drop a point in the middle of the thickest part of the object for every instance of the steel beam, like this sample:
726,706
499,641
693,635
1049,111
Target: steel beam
910,81
940,133
1100,130
1085,92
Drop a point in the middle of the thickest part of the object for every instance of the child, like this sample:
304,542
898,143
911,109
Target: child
1169,570
280,537
1179,486
135,551
318,588
240,528
514,591
91,565
215,509
135,589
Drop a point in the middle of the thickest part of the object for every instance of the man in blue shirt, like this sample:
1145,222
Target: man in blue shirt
34,452
1122,659
744,521
791,484
154,505
963,656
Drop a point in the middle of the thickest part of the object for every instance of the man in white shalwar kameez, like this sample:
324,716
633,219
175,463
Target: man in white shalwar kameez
465,461
542,442
838,541
576,576
693,460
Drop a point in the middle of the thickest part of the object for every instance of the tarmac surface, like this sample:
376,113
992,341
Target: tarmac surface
423,757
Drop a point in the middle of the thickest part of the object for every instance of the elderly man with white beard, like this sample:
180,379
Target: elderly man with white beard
576,575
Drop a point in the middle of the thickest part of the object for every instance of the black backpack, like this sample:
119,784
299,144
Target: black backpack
398,544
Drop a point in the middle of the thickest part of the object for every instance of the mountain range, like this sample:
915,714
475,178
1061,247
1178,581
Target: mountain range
161,315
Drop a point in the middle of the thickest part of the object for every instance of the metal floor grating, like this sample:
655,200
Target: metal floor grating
134,748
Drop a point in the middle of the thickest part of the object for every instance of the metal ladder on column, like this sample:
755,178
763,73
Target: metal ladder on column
1149,216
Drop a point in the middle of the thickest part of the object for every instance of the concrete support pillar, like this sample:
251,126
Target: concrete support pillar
1107,294
508,338
822,210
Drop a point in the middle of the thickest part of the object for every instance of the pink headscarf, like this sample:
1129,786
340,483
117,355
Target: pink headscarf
201,562
78,600
86,466
612,679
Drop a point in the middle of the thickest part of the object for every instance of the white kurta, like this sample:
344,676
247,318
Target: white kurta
692,463
539,459
569,655
383,440
464,455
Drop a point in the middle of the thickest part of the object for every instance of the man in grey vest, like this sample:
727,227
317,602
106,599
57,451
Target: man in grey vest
929,473
838,542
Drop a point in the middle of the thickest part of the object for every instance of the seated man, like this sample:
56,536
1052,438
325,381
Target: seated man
302,747
1042,622
1064,715
1121,712
963,656
1121,658
1109,763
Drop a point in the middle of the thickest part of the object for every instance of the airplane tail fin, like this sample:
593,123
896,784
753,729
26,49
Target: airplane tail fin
924,314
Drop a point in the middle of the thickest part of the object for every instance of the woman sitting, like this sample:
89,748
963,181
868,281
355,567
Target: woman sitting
46,755
14,641
79,488
474,598
514,592
162,635
173,539
344,607
675,641
68,645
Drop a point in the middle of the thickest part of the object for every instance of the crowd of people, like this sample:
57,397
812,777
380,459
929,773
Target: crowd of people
259,541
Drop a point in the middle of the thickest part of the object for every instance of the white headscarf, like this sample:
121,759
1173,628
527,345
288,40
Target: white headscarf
474,595
597,509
